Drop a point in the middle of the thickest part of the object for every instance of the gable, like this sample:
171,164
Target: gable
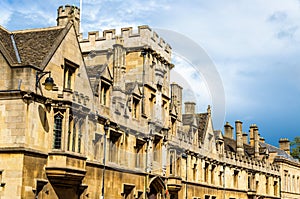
209,140
69,50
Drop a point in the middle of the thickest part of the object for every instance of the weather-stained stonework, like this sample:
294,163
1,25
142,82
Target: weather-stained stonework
113,125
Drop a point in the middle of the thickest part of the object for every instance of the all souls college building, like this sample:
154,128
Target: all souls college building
98,118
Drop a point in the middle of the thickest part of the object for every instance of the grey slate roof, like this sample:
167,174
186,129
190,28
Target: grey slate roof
273,149
201,122
5,40
229,144
95,71
33,46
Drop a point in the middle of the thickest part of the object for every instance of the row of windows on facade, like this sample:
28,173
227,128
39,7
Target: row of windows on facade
75,128
74,136
291,183
115,152
135,102
209,172
69,79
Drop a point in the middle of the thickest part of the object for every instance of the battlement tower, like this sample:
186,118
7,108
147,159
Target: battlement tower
68,13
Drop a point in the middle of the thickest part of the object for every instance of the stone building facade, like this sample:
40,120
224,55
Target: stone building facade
113,125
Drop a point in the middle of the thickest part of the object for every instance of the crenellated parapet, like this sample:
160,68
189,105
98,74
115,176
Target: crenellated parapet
144,37
68,13
65,11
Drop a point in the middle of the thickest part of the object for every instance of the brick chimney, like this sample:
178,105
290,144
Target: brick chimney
228,129
239,136
67,14
284,144
189,107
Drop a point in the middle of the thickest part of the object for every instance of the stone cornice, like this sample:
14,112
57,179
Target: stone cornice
279,159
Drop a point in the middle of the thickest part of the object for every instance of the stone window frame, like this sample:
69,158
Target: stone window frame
236,178
212,174
206,172
69,75
58,131
276,187
114,146
104,91
172,162
128,191
139,148
136,106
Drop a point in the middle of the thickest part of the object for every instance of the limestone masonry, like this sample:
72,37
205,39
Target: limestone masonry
98,118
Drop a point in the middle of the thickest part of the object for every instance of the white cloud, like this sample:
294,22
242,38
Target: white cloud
254,44
195,88
5,14
5,17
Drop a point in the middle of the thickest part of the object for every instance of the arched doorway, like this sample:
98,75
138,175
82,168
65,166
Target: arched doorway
156,188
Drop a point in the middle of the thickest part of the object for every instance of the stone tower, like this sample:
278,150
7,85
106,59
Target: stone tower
67,14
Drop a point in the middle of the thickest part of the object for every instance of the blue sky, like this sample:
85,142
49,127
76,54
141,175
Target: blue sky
254,45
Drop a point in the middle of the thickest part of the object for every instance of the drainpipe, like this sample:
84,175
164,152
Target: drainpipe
106,127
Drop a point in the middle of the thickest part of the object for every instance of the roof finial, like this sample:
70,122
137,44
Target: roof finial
208,109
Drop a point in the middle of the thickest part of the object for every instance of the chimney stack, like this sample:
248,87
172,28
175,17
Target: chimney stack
228,130
256,142
284,144
239,136
251,132
245,138
189,107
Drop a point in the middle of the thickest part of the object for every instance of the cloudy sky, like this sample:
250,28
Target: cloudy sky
253,45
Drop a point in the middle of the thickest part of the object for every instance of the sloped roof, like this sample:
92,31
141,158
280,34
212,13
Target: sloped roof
229,144
5,40
133,88
187,119
94,73
31,47
202,119
218,134
201,122
273,149
34,45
